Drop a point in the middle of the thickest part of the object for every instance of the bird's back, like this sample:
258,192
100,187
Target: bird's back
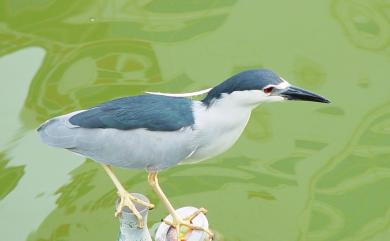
137,132
152,112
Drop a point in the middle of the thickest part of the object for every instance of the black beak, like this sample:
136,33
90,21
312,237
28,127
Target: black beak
295,93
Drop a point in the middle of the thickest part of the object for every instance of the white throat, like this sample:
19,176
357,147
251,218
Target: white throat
218,127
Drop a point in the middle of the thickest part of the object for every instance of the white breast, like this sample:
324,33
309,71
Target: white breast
218,128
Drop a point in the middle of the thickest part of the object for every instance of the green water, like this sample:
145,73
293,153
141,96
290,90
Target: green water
300,172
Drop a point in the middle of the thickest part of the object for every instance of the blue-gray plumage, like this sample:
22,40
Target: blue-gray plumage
255,79
157,131
152,112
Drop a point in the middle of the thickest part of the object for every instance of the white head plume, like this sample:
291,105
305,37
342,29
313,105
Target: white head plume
190,94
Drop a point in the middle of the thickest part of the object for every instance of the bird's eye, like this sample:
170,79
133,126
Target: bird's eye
268,90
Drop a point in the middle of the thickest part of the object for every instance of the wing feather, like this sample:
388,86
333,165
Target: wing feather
151,112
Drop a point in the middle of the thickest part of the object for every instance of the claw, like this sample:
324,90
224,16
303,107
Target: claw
196,213
125,198
128,200
178,224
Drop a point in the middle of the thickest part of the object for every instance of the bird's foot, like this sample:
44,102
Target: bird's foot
185,226
128,200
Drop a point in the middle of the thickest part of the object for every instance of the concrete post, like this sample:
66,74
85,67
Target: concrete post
128,229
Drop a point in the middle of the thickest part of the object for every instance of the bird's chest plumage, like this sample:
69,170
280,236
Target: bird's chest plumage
218,128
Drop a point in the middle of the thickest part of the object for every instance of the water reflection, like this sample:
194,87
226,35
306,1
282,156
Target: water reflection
366,23
9,176
346,189
83,21
279,174
75,78
16,68
90,195
95,51
154,20
308,73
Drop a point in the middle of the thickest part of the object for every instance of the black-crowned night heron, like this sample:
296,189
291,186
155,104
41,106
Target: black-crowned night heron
156,131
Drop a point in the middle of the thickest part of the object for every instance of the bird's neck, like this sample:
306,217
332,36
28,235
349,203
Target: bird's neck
218,126
224,114
237,101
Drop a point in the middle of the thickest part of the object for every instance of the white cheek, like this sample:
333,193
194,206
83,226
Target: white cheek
249,98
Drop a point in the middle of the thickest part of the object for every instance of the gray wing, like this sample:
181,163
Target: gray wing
152,112
145,132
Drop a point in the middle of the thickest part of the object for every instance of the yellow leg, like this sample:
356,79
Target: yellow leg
177,222
126,199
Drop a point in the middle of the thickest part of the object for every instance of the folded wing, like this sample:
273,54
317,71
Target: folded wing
151,112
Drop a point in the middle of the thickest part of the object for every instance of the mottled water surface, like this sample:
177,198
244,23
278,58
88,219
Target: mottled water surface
300,172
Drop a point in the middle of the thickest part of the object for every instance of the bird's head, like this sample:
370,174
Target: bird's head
253,87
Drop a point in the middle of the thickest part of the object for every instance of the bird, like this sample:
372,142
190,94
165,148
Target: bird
155,131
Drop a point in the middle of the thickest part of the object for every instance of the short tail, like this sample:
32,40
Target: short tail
55,132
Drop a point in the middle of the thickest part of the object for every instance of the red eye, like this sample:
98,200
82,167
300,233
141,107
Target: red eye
268,90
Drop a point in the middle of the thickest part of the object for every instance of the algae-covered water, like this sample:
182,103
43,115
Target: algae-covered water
300,172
